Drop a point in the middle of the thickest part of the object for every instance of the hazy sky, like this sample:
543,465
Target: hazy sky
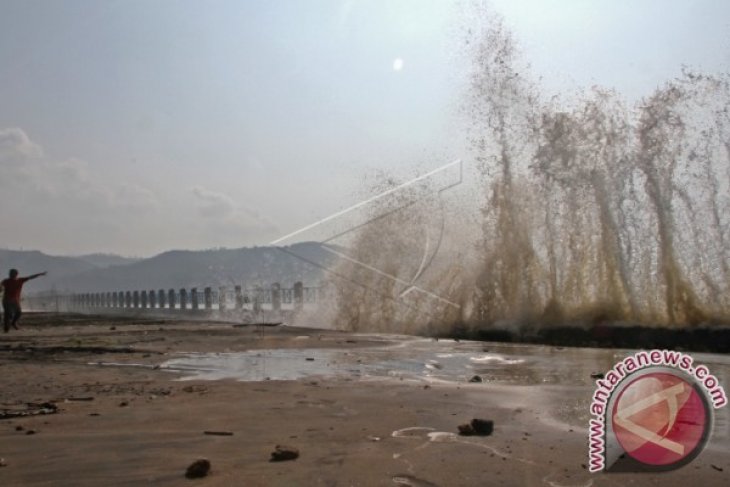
140,126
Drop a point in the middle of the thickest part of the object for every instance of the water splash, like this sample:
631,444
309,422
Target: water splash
590,210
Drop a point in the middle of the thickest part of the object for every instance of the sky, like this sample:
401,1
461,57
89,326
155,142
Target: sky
135,127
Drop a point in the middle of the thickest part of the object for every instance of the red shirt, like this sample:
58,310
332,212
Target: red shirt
12,289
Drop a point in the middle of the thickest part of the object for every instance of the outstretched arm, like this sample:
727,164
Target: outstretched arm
36,275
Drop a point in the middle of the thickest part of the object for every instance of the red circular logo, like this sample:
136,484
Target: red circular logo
660,419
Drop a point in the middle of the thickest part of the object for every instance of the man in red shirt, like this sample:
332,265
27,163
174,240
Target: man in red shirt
12,286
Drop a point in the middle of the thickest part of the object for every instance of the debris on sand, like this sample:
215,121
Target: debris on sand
30,409
475,378
719,469
597,375
478,427
198,469
194,388
3,463
283,453
79,399
218,433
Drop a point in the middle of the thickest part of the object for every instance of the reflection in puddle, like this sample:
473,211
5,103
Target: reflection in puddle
414,359
556,376
260,365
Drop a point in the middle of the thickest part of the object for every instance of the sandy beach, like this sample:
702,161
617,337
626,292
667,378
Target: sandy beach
129,402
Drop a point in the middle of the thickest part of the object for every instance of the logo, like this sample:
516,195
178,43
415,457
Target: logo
652,412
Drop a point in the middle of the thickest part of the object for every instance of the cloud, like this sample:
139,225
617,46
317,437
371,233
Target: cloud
14,142
134,196
212,204
61,203
71,206
28,170
223,214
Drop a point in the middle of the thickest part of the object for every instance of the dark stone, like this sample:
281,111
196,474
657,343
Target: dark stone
597,375
479,427
198,469
283,453
19,428
476,378
719,469
482,427
30,432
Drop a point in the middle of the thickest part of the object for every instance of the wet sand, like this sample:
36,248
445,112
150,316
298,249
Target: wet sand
131,411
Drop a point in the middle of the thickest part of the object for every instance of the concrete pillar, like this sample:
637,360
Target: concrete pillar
114,299
194,297
183,298
128,299
161,298
257,298
298,295
222,298
152,299
109,300
135,299
239,297
143,299
276,296
171,299
208,296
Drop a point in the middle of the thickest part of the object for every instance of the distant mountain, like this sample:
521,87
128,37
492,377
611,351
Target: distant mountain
107,260
175,269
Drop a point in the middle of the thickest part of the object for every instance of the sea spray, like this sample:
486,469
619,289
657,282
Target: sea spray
590,211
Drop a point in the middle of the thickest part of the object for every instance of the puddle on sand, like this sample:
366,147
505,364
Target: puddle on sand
266,364
413,358
564,373
558,378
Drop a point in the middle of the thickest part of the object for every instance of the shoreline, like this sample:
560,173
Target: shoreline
132,425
